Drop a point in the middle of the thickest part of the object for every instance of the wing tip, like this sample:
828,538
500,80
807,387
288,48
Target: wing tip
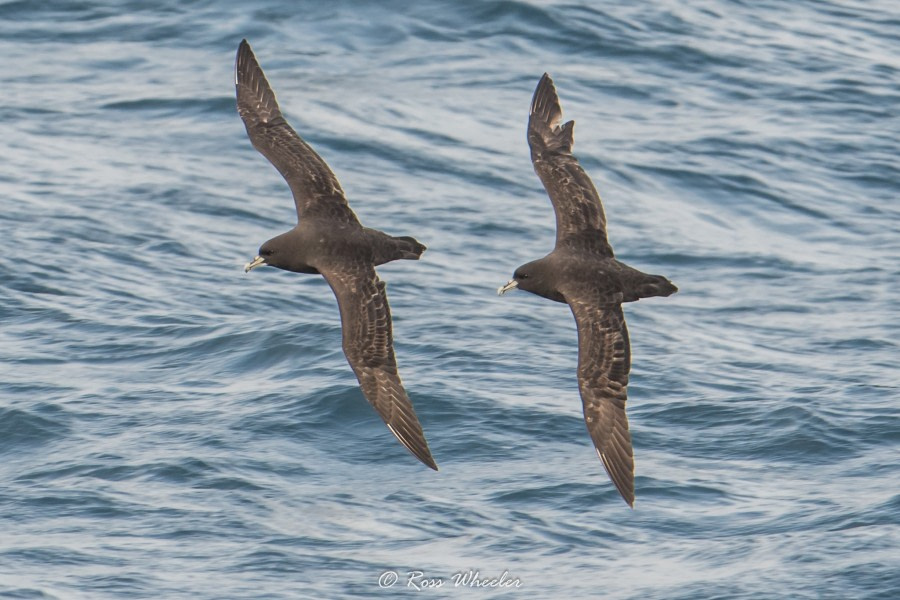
545,96
545,131
256,99
623,482
420,451
244,55
244,49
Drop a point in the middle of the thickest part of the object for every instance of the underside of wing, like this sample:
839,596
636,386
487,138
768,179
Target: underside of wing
368,345
315,188
604,361
580,221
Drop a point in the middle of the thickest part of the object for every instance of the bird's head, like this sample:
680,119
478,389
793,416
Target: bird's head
522,279
268,256
537,277
285,251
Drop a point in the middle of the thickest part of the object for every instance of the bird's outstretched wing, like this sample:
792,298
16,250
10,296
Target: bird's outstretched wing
580,222
604,361
369,347
317,192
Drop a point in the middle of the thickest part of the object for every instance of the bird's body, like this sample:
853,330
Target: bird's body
316,242
582,272
600,280
329,240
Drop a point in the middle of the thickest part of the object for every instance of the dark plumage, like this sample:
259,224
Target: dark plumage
582,272
330,240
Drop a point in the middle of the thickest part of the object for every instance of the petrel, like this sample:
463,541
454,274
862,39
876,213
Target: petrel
582,272
330,240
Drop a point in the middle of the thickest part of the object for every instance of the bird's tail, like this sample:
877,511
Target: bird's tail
408,248
656,285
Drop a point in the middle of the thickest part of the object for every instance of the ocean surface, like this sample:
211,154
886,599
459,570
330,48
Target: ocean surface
173,428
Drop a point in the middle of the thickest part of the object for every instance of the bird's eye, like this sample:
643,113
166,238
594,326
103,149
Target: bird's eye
523,276
266,252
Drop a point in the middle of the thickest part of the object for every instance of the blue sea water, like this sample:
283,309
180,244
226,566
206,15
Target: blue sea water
173,428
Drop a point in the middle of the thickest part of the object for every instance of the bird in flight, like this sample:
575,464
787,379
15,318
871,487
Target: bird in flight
582,272
329,239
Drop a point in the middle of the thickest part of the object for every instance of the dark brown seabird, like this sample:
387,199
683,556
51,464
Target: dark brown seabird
330,240
582,272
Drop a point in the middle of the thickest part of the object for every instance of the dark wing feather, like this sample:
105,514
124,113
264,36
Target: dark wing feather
369,347
316,190
580,221
604,361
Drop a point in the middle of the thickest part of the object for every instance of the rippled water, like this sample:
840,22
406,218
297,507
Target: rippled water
172,428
